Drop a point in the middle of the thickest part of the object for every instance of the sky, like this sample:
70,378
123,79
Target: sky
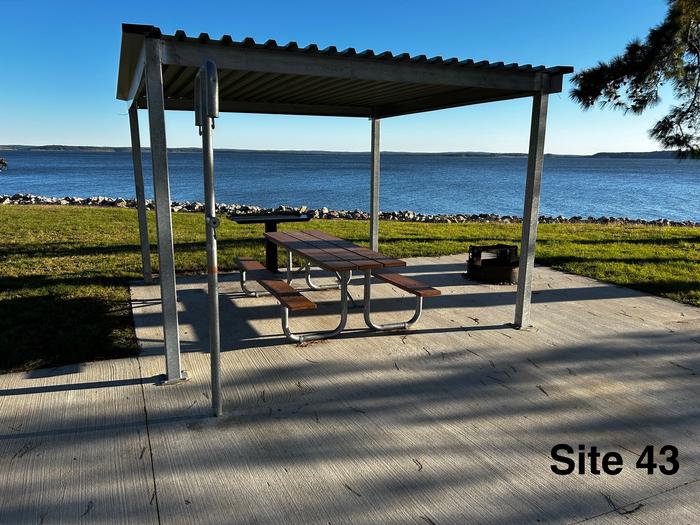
60,60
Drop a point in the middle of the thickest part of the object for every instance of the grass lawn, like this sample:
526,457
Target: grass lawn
64,271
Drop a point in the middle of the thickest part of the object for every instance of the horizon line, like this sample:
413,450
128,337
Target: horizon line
14,147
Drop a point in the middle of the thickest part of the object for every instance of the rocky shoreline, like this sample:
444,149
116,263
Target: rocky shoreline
325,213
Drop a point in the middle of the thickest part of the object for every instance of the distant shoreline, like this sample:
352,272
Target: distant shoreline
481,154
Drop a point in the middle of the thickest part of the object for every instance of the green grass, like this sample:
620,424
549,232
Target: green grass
64,271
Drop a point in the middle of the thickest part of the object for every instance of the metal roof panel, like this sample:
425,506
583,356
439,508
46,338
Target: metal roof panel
343,87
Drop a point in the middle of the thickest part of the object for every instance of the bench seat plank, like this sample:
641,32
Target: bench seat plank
248,264
287,295
407,284
254,270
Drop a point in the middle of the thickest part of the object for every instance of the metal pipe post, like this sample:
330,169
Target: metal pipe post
207,84
374,189
164,222
531,212
140,194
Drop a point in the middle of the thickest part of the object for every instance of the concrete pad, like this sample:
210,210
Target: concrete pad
74,446
450,422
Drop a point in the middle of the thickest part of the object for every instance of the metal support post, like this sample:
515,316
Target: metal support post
140,194
206,110
531,211
289,266
374,189
164,224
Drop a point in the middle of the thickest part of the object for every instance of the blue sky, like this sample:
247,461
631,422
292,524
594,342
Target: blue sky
59,62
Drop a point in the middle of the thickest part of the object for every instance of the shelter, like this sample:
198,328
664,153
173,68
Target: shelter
160,72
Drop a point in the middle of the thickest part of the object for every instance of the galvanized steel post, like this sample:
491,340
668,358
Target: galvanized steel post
140,194
374,189
207,109
164,224
531,210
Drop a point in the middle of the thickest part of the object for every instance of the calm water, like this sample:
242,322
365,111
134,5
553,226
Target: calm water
637,188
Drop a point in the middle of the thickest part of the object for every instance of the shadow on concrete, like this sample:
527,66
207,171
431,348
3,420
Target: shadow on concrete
458,419
237,319
44,389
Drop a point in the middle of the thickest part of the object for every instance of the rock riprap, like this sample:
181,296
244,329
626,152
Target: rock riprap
325,213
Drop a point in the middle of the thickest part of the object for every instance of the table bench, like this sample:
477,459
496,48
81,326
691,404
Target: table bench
340,257
251,270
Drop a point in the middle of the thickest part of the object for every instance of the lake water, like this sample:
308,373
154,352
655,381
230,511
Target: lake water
636,188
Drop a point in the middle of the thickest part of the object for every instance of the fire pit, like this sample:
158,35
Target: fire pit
497,263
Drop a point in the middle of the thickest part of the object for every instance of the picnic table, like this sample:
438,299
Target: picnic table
270,222
340,257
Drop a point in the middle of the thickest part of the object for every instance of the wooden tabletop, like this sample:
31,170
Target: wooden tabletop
258,219
331,253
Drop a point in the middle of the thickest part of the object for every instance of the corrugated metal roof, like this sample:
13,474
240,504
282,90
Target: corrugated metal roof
279,78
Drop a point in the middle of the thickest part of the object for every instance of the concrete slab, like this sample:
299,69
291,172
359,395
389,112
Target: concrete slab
450,422
74,446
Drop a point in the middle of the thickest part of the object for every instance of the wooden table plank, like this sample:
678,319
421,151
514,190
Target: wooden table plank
270,222
261,219
362,262
386,262
307,251
330,252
